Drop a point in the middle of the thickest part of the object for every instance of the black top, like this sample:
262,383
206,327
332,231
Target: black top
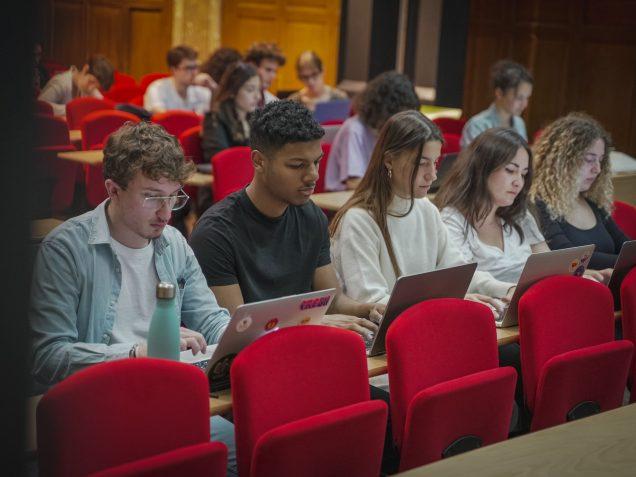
217,134
268,258
606,235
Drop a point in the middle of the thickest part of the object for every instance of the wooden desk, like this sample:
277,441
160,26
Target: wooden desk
95,158
222,402
41,227
600,445
75,135
333,201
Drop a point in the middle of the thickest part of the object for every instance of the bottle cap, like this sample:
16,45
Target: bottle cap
165,290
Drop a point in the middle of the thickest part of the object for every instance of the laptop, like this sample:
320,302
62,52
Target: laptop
445,166
409,290
337,109
624,263
568,261
253,320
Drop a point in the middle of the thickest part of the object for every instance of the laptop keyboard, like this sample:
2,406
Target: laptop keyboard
368,341
202,365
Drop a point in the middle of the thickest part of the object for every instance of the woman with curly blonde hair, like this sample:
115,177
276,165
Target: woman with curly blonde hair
573,190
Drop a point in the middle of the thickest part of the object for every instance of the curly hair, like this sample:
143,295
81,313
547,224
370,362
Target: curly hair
219,61
386,94
506,74
466,185
265,51
558,156
280,123
148,148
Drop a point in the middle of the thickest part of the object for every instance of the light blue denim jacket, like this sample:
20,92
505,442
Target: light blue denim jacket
488,119
75,288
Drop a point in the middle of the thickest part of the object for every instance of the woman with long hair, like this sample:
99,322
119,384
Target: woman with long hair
573,189
389,228
238,95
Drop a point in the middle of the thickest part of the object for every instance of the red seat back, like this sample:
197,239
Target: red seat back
233,170
557,315
123,93
77,108
190,140
322,169
176,122
145,80
453,337
42,107
451,143
120,411
628,306
50,131
96,127
337,379
450,125
624,215
122,79
209,459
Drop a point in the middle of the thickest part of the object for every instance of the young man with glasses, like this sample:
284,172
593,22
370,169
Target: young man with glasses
184,89
93,290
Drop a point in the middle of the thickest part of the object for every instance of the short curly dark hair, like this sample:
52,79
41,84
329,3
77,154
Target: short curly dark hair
219,61
506,74
386,94
148,148
280,123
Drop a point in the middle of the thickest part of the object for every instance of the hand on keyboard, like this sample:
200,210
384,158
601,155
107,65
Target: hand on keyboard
496,305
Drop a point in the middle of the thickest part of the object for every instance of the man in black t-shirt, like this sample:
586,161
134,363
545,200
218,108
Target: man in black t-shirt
270,240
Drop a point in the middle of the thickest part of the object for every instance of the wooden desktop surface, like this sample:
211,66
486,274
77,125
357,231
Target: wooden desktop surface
75,135
41,227
95,158
599,445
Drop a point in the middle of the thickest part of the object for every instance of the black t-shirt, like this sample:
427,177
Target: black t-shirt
268,258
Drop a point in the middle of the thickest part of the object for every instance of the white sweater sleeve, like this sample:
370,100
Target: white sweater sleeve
358,246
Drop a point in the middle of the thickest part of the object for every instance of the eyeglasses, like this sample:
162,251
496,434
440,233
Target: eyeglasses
311,76
189,67
174,202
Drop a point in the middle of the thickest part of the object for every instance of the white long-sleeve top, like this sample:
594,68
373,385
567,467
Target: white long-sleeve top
420,242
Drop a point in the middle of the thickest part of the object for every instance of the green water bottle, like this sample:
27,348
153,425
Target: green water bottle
163,336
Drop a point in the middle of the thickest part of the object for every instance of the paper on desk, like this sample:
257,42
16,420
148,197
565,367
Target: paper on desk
187,356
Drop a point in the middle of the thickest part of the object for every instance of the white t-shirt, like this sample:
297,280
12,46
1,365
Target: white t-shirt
506,264
162,95
420,242
137,297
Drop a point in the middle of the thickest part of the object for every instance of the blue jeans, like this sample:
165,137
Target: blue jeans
222,430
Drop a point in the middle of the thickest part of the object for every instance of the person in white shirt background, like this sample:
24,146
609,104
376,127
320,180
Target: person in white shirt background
185,89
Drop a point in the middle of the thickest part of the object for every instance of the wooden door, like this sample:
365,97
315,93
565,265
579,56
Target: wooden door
295,25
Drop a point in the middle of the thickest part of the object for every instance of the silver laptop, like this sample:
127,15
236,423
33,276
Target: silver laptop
409,290
253,320
624,263
568,261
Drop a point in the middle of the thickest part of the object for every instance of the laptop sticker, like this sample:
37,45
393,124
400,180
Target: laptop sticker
271,324
579,271
573,265
244,324
305,320
221,369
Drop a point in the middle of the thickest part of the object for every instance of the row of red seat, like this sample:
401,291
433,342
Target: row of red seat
448,394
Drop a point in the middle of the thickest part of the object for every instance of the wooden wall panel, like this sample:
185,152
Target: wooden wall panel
133,34
296,25
582,54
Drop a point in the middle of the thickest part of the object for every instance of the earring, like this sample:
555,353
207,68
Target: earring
390,172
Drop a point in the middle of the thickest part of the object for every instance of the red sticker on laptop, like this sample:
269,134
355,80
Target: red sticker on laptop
573,265
271,324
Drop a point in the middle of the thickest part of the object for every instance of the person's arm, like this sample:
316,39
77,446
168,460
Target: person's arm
345,312
53,94
618,236
540,247
214,138
228,296
471,130
55,297
552,229
199,308
153,101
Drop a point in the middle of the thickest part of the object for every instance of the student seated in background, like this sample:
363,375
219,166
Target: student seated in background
388,228
512,85
269,240
484,204
310,73
217,63
180,90
385,95
238,95
97,73
267,58
94,280
573,189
